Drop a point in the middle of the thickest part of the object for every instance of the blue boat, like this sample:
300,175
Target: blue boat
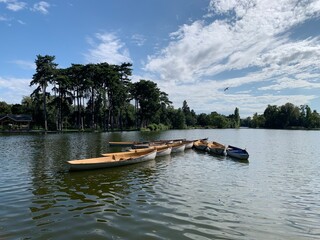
236,152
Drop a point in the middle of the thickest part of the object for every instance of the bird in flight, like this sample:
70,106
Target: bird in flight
226,89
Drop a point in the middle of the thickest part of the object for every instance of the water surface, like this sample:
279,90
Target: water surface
192,195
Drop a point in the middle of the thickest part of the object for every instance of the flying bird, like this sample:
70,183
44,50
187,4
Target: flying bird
226,89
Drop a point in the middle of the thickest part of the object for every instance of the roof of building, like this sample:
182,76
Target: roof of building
17,118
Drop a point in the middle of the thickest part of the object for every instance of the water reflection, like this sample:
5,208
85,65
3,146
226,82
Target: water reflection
193,195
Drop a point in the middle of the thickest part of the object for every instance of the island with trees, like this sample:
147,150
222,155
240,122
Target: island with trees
102,97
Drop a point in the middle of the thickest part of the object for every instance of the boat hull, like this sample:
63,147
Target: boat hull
189,144
238,153
216,148
177,147
125,144
108,162
162,150
200,145
218,151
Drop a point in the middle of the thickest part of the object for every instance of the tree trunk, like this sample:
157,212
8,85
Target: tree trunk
45,109
92,108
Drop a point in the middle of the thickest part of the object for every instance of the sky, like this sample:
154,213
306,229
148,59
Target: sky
215,54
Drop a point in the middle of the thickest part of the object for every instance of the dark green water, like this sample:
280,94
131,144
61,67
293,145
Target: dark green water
192,195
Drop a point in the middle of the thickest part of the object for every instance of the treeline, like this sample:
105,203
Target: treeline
287,116
101,97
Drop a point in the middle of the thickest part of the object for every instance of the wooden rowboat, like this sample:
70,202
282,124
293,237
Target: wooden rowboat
189,144
216,148
162,150
125,144
200,145
236,152
112,160
177,147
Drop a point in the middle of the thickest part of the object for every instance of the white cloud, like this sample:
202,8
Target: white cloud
251,37
12,90
25,64
21,22
287,83
41,7
107,47
138,39
14,5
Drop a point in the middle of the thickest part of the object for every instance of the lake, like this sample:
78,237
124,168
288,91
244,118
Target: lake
192,195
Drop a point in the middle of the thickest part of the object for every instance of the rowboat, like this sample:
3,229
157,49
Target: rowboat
112,160
200,145
189,144
216,148
236,152
125,144
162,150
177,147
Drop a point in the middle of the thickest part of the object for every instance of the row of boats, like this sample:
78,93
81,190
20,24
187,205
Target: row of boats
146,151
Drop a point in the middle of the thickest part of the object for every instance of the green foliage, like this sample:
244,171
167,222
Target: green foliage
190,116
5,108
285,117
157,127
177,118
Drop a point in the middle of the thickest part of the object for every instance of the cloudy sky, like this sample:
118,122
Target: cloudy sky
263,51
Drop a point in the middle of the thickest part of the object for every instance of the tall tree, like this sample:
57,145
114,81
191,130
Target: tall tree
62,87
76,76
237,117
148,99
44,75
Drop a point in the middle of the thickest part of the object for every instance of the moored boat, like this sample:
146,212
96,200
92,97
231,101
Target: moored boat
189,144
200,145
125,144
112,160
216,148
177,147
236,152
162,150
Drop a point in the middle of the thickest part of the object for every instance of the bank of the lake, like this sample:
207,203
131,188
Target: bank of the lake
192,195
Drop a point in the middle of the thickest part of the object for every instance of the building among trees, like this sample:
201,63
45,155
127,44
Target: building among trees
15,122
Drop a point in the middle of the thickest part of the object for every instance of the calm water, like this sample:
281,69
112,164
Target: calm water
192,195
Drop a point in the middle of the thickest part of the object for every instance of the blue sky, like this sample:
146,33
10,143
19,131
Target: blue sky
264,51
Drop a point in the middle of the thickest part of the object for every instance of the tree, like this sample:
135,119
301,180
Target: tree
45,73
219,121
5,108
203,120
237,117
63,101
190,116
76,76
147,95
271,115
178,120
258,121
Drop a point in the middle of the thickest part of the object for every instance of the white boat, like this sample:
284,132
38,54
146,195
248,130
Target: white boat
163,150
112,160
189,144
177,147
